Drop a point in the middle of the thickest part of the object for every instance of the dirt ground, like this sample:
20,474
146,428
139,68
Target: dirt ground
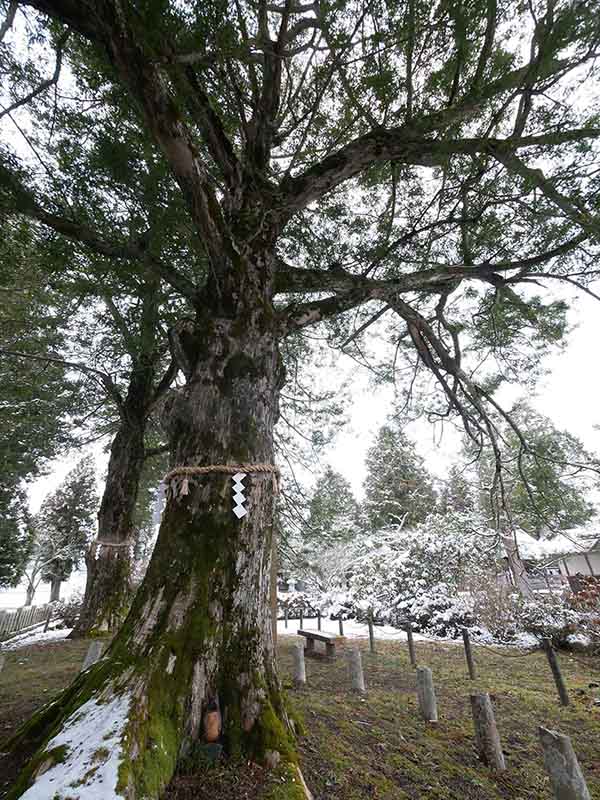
374,746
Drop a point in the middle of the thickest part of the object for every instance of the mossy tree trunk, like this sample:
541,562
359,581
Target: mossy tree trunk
108,590
198,637
108,561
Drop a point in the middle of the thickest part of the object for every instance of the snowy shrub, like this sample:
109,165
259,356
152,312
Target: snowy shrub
549,617
587,601
587,597
69,610
436,611
295,603
495,607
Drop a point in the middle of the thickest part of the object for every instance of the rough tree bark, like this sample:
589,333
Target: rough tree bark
199,635
29,594
108,590
108,582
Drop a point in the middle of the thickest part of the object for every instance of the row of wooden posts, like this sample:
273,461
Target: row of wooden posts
561,688
12,622
566,778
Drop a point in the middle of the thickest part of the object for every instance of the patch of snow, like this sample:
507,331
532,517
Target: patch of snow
578,641
352,629
34,637
92,737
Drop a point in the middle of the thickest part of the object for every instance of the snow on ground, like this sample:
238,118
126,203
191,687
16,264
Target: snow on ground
13,598
89,769
359,630
352,629
34,637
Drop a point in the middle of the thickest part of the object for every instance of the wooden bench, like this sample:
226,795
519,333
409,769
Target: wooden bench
317,636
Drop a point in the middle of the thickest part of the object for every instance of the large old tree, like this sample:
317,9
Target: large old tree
430,162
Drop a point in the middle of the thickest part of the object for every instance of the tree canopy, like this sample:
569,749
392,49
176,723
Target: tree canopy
451,151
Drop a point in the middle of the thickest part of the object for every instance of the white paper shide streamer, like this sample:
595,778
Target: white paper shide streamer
239,498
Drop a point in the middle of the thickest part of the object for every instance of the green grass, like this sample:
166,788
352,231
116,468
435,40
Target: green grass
376,746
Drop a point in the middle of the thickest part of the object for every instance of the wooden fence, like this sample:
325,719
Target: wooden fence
13,622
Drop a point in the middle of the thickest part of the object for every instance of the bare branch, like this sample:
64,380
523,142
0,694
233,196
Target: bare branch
44,85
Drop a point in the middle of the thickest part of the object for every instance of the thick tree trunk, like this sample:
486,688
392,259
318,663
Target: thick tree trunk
198,638
55,590
108,589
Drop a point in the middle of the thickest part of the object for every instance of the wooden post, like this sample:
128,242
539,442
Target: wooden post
487,738
411,645
556,673
341,625
48,618
285,616
93,654
357,679
301,620
426,694
566,777
318,620
299,665
371,632
469,654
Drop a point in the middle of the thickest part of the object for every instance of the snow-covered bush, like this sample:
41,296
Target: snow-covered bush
495,607
296,603
549,617
587,602
397,574
437,611
69,610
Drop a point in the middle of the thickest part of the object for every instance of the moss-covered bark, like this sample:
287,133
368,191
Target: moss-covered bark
108,583
198,638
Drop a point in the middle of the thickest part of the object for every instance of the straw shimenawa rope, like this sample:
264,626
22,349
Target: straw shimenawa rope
183,474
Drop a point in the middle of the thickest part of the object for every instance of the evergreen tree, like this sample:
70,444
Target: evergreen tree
15,535
65,524
457,494
333,511
398,488
547,488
